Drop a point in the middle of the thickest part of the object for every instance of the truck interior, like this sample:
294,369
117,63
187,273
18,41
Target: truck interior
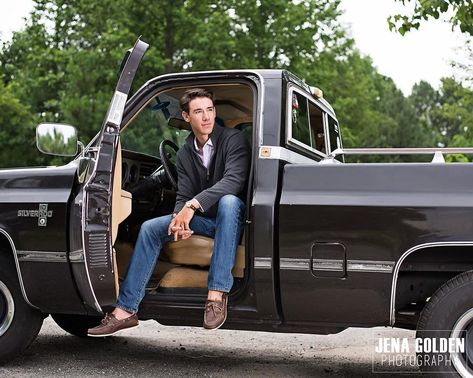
142,189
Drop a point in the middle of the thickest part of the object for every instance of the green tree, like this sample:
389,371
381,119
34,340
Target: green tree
16,131
461,10
453,117
63,67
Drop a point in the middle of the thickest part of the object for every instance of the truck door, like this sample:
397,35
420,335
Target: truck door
100,286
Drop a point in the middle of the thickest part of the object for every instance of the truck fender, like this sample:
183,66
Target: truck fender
399,262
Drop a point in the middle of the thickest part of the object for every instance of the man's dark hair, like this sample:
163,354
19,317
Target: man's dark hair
192,93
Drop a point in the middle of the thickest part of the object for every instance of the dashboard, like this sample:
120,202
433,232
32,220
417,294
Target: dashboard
137,167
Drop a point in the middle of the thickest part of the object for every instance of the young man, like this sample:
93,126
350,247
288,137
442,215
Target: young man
212,171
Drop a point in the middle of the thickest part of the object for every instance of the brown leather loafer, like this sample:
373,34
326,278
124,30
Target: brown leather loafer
111,325
215,313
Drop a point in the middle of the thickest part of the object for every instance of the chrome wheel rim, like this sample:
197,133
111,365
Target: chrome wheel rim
463,326
7,308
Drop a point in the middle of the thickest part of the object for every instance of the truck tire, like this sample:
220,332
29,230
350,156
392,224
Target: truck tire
76,325
449,314
19,322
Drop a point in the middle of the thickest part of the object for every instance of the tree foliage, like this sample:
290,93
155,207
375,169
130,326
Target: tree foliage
63,67
461,10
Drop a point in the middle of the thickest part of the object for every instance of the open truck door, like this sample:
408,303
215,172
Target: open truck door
100,286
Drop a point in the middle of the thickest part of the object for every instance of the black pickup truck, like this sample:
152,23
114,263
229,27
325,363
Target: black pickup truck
327,244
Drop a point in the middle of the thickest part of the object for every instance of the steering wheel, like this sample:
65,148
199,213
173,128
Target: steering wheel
169,167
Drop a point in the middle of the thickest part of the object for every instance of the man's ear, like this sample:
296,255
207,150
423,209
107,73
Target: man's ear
186,117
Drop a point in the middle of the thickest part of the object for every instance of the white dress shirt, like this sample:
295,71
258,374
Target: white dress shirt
205,154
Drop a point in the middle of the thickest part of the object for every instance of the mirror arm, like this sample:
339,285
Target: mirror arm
82,148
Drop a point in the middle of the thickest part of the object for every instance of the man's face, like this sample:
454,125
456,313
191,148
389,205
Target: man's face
201,116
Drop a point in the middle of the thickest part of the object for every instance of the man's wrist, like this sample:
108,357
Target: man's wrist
195,205
190,205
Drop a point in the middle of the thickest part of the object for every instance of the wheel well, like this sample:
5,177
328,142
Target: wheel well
6,247
422,273
7,251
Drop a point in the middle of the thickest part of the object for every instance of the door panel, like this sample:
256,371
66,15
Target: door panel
98,194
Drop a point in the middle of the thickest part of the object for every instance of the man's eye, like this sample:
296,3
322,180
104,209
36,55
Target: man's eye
197,111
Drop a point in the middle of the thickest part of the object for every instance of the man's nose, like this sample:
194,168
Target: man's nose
206,114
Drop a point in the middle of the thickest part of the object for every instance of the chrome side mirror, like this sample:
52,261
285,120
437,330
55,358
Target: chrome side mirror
56,139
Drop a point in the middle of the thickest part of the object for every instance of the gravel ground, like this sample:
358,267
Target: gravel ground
153,350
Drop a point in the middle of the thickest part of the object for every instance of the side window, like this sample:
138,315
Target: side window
307,125
300,119
334,134
317,128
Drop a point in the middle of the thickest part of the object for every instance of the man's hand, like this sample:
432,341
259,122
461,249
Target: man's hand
179,225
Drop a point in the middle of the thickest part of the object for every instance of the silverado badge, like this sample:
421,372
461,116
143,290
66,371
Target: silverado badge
43,214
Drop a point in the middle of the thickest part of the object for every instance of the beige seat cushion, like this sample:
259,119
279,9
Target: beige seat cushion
125,251
197,250
185,277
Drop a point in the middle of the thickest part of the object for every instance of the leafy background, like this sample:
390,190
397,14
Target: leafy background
63,66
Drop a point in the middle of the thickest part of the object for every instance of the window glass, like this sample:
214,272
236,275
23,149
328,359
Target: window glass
300,119
307,123
151,126
317,128
334,130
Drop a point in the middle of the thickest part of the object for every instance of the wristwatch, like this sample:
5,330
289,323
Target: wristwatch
191,206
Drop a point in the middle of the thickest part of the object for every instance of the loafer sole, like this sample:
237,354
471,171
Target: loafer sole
112,333
221,324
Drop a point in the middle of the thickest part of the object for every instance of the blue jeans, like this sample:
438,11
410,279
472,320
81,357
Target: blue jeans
225,229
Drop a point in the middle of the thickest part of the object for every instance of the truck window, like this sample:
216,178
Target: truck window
317,128
334,134
306,129
300,119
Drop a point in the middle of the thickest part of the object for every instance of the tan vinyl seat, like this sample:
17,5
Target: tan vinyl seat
184,277
184,263
196,251
124,253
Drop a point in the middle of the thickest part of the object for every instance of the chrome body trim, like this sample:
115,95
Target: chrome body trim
334,265
370,266
392,317
259,121
401,151
282,153
76,256
294,264
17,264
263,262
42,256
327,265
